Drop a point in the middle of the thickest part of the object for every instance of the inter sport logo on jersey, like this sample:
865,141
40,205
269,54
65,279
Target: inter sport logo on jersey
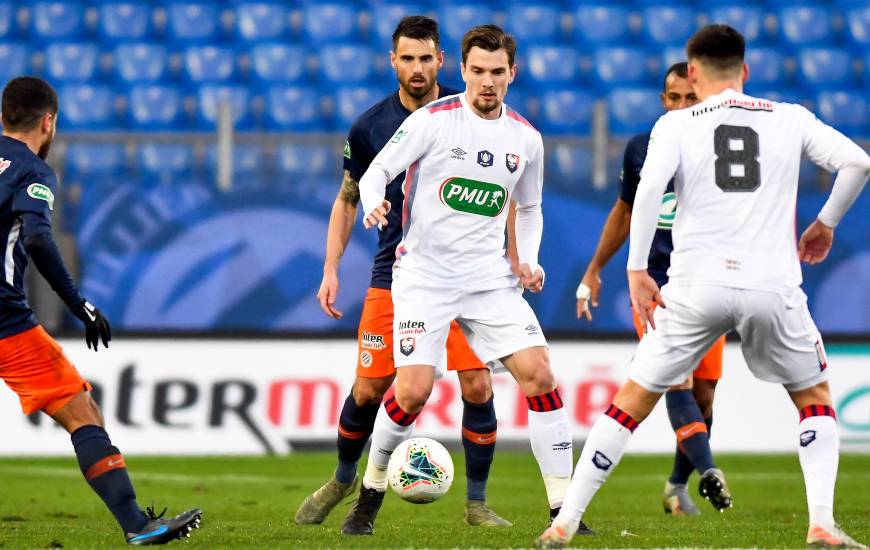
41,192
474,197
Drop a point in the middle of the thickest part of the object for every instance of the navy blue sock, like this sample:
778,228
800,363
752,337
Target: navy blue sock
355,425
478,438
106,473
692,437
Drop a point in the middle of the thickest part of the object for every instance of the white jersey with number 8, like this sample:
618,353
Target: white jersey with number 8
735,160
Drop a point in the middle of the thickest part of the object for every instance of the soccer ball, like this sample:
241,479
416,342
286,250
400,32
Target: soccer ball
420,470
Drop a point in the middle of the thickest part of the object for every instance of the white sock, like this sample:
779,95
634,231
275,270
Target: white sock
550,435
385,438
819,454
601,453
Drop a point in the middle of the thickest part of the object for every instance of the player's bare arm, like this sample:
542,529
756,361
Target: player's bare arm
613,236
341,221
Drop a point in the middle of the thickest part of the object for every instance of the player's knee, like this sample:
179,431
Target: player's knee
539,378
476,385
411,399
369,391
704,391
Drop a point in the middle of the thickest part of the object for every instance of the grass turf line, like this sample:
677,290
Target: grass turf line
249,502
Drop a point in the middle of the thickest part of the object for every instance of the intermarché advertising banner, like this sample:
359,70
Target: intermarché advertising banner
253,397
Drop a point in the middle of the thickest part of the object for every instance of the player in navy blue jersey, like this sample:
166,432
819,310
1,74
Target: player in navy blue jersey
31,362
417,57
690,405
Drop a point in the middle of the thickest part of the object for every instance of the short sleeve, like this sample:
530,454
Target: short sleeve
357,153
36,193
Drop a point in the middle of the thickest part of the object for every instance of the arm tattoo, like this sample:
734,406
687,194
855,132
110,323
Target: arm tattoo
349,189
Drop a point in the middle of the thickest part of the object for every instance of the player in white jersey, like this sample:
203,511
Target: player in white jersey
735,266
466,156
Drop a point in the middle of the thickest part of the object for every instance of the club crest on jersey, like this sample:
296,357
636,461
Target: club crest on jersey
474,197
667,212
484,158
512,162
407,345
4,164
42,193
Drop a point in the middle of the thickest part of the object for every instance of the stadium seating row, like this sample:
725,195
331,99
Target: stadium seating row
558,111
583,22
343,64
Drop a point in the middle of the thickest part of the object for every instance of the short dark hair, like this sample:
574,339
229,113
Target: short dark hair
681,69
717,46
26,99
490,38
418,27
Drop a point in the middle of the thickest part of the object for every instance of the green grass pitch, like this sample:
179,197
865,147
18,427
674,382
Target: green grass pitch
249,503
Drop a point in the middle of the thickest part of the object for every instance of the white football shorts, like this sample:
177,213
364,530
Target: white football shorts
780,341
496,322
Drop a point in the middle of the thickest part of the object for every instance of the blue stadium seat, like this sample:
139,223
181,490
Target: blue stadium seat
86,107
85,160
71,61
846,111
352,101
164,163
140,62
824,68
618,65
384,18
669,24
346,63
189,21
155,107
326,22
553,64
8,26
294,160
601,23
747,20
671,55
457,17
14,61
805,25
278,63
857,19
210,96
58,20
534,22
565,111
125,20
866,73
256,21
249,167
292,108
209,64
633,110
766,66
569,167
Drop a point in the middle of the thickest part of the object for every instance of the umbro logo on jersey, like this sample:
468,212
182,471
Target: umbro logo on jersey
4,164
458,154
484,158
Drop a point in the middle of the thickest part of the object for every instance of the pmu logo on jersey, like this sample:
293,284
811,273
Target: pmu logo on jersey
667,212
484,158
512,162
473,196
4,164
407,345
42,193
601,461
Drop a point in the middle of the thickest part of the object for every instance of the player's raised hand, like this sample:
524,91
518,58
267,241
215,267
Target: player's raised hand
532,277
587,294
96,326
328,293
815,243
378,216
645,294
